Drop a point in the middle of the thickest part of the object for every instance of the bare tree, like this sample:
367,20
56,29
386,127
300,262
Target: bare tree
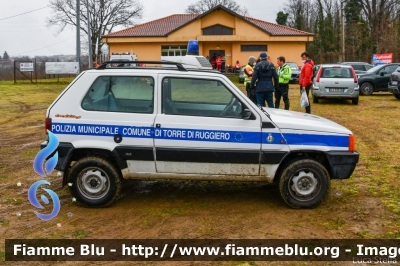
105,15
380,15
202,6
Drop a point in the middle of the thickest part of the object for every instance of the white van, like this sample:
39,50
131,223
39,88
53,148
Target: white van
121,57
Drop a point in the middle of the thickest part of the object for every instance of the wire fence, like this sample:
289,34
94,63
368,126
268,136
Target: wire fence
8,72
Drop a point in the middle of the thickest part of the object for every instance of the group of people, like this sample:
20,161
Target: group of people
258,75
217,62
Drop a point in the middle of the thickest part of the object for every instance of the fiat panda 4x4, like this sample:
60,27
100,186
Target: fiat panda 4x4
176,123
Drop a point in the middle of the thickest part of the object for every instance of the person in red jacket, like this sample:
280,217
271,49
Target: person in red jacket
219,63
306,74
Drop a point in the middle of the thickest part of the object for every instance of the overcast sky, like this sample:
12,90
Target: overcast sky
28,35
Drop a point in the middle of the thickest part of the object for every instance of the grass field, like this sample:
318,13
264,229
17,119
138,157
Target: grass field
364,206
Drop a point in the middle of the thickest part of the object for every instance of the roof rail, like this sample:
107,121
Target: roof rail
178,65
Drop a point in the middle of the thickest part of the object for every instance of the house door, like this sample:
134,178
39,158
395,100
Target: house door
213,56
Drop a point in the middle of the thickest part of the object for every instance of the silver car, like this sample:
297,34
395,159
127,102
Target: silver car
335,81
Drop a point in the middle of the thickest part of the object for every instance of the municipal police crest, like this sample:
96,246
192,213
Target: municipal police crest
270,138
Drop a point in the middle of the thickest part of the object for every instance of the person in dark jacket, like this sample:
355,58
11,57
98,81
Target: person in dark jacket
263,74
306,74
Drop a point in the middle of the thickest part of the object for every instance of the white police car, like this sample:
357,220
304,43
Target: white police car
155,123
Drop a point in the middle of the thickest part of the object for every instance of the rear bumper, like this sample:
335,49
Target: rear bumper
64,153
319,94
342,164
322,93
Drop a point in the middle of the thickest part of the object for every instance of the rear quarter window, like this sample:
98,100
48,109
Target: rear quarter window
130,94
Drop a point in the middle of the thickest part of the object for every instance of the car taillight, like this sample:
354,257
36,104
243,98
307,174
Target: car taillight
47,124
352,143
319,74
354,75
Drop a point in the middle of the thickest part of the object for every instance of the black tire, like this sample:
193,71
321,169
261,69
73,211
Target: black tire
366,88
354,101
310,175
397,96
95,181
315,99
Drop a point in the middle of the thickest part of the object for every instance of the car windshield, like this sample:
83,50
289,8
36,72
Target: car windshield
368,67
375,68
293,65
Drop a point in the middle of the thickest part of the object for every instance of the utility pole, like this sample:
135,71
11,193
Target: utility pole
78,34
89,37
100,28
343,37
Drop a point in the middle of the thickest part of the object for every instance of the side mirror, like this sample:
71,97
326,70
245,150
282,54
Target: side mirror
383,73
246,114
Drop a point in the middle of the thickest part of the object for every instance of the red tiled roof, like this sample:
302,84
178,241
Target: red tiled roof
159,27
276,29
166,25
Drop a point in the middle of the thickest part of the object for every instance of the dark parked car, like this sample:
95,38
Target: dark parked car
295,73
394,83
376,78
359,67
241,75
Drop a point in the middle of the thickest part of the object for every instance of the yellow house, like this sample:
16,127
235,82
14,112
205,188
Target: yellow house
218,31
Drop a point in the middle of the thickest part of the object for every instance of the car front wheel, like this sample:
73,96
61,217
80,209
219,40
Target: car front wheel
304,183
367,88
397,96
94,181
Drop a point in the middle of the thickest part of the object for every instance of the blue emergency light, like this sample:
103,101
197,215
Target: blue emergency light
193,47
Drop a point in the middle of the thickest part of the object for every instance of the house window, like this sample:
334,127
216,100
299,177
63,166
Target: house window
254,48
173,50
217,30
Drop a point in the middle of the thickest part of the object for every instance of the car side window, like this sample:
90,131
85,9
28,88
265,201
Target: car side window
120,94
199,97
359,67
391,69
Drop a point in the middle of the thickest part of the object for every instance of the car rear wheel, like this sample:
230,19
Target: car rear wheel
304,183
354,101
94,181
367,88
397,96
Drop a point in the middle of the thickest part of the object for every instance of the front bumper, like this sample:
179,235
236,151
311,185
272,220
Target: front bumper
342,164
394,89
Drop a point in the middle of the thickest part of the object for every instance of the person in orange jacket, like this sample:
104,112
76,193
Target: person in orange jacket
237,67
